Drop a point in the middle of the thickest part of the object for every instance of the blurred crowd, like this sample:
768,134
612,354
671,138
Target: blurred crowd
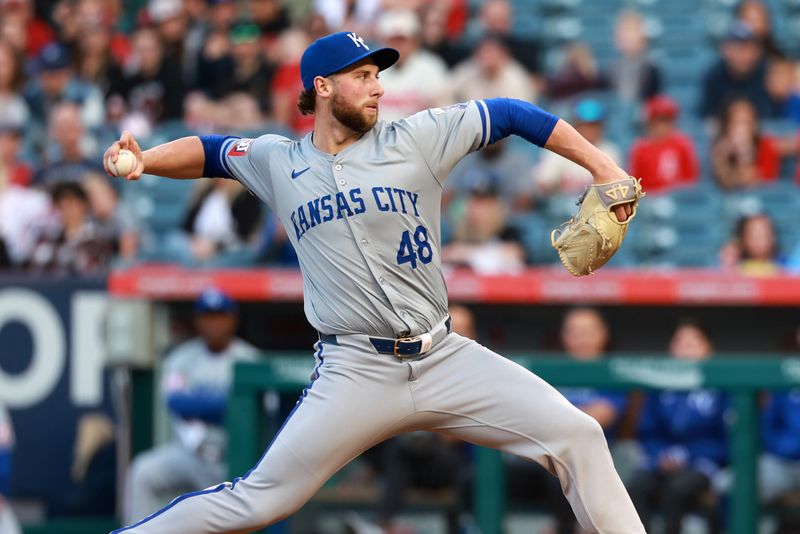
75,73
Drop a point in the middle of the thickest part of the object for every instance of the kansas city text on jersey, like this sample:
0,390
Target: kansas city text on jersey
341,205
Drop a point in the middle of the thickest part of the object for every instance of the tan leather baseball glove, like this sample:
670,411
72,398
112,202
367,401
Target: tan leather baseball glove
589,239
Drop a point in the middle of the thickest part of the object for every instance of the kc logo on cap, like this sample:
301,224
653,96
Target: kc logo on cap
337,51
357,40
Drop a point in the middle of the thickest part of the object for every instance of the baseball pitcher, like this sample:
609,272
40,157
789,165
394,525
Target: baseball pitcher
360,200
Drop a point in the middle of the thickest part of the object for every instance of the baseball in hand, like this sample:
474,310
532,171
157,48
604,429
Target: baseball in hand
126,163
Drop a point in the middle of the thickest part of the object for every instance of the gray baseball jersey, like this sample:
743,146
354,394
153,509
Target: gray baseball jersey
365,222
365,225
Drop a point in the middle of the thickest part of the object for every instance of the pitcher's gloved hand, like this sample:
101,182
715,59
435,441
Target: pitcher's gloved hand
587,241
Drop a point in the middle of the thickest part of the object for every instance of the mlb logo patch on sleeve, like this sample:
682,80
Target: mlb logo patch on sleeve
240,148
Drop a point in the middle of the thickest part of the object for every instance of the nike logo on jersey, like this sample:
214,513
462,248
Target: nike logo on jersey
295,173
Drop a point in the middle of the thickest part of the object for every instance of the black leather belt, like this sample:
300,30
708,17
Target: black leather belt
410,346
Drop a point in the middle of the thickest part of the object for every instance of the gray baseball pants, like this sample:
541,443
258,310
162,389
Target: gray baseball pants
359,398
161,473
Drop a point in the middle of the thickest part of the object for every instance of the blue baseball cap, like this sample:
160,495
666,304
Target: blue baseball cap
337,51
213,300
53,57
590,110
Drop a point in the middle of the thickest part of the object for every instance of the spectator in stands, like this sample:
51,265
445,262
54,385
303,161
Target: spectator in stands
271,17
585,337
171,20
67,22
183,26
246,70
20,208
754,248
779,465
56,82
490,72
355,15
8,522
20,13
114,220
69,241
214,62
95,62
66,153
287,84
684,437
103,15
665,157
739,74
497,164
404,94
783,89
633,75
152,85
483,240
436,35
222,219
555,174
578,73
196,378
12,169
222,16
497,17
742,156
755,14
13,109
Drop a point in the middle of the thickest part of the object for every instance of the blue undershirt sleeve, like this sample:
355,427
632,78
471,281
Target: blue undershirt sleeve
206,406
212,147
509,116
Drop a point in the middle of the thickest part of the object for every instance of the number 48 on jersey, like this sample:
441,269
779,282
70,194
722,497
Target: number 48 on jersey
407,253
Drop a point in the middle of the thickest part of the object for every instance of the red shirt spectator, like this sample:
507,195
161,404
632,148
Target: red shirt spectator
768,158
286,87
741,155
665,162
38,33
664,157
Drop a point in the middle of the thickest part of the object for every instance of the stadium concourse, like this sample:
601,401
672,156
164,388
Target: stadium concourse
100,278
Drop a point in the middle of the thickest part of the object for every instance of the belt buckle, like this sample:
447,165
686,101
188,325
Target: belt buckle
397,345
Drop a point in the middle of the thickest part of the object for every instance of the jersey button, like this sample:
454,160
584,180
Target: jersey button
338,167
342,181
364,242
381,280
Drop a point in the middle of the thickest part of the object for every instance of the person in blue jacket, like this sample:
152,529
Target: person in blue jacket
684,438
779,465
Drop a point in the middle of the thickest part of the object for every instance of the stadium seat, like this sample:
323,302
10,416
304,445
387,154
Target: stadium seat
699,203
535,232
